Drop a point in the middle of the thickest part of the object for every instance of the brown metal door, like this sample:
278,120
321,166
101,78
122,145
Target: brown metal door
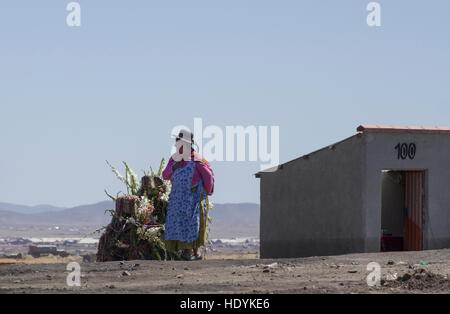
413,226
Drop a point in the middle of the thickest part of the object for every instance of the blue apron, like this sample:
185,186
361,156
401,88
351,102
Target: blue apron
183,213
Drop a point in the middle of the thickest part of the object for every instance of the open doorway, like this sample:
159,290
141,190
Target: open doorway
402,210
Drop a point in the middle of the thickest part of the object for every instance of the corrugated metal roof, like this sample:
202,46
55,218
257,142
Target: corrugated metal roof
399,129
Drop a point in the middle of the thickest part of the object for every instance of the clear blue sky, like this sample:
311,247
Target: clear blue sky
114,88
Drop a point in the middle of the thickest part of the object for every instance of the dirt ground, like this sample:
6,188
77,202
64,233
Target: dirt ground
331,274
28,259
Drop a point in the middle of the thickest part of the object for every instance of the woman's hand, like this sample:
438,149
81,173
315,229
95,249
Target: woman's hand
177,165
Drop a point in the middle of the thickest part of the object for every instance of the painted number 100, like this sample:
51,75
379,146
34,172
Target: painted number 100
405,150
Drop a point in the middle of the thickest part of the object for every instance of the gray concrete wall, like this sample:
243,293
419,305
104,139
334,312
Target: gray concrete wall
433,155
314,206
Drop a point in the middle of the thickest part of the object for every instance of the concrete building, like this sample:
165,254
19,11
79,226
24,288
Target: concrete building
385,188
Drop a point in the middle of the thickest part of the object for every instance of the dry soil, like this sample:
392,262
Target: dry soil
427,272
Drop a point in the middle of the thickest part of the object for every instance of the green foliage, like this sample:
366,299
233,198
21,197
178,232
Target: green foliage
132,183
137,232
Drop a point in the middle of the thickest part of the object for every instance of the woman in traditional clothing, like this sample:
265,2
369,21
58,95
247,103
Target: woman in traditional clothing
192,181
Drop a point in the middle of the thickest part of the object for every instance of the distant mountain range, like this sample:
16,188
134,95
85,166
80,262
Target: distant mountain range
241,219
93,214
28,209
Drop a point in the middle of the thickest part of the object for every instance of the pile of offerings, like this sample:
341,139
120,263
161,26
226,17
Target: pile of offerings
136,230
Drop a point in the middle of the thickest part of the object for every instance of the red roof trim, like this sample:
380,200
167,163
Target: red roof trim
397,129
